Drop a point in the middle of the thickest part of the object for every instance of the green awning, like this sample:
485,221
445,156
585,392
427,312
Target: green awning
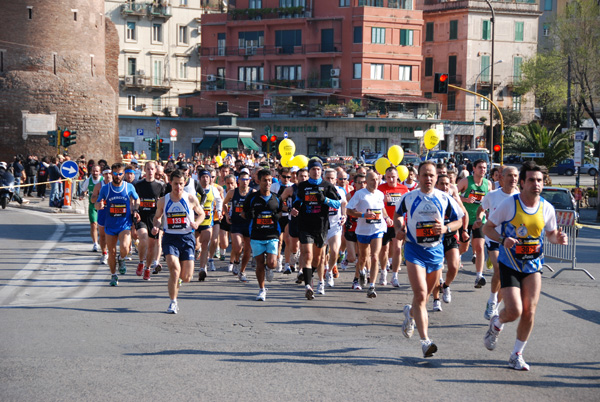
249,143
207,143
229,143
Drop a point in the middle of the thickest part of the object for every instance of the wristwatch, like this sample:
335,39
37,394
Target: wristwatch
502,238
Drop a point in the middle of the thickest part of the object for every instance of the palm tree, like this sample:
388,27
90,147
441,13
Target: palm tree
532,137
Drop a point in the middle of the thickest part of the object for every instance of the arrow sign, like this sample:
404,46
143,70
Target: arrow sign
157,122
69,169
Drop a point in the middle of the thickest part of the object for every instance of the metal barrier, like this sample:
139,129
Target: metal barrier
567,253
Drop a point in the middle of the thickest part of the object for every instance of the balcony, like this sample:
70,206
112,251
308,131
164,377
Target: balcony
135,81
484,81
144,83
151,10
514,81
155,11
506,5
246,14
315,48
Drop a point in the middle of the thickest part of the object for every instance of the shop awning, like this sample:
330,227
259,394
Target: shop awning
207,143
229,143
249,143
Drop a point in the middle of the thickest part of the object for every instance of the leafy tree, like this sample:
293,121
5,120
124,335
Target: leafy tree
532,137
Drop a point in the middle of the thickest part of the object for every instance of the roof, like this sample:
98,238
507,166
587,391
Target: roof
402,98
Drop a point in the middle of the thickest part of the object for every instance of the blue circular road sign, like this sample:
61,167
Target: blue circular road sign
69,169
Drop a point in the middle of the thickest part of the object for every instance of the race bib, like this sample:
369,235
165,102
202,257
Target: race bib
265,220
477,196
176,220
425,232
118,210
394,198
528,249
147,204
377,218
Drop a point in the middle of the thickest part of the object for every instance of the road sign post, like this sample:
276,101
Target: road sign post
68,170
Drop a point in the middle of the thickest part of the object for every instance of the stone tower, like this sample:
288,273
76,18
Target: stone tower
58,68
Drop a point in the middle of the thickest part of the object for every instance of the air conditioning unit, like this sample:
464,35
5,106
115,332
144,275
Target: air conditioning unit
199,30
141,72
335,83
335,72
128,80
267,102
179,111
139,81
211,77
143,106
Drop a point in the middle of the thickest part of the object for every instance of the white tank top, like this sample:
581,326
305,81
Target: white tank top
178,215
190,187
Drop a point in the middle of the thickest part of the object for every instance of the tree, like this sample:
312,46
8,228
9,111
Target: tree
532,137
577,34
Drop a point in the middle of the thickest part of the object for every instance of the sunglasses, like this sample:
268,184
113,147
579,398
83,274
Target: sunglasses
342,178
245,179
286,177
118,174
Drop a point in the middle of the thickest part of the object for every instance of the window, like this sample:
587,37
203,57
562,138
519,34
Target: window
287,40
130,102
428,66
484,104
1,61
183,3
74,15
250,76
221,77
517,62
344,3
378,35
156,104
485,70
157,72
546,30
288,73
548,5
221,39
404,4
405,73
451,101
452,68
376,71
157,33
183,67
428,95
406,37
429,32
357,71
30,12
486,32
255,4
251,39
253,109
292,3
357,35
222,107
131,65
519,26
182,36
318,146
516,102
453,29
131,34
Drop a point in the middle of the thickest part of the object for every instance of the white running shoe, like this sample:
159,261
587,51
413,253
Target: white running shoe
356,285
310,294
236,269
211,265
242,277
447,294
437,305
371,293
230,268
384,275
490,310
329,279
408,326
491,336
269,274
173,308
104,259
395,282
95,247
517,362
428,347
280,264
262,295
344,264
321,288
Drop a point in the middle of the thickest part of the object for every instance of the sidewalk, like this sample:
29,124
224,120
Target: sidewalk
36,204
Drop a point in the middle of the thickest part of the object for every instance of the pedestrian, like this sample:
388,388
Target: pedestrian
53,177
42,178
31,168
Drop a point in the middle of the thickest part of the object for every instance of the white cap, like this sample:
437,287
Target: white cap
244,170
294,169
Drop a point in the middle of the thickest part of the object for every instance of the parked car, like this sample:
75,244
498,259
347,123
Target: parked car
371,157
560,198
513,159
439,156
473,155
411,158
567,168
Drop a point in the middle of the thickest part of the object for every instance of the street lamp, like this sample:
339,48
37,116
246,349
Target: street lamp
475,104
492,21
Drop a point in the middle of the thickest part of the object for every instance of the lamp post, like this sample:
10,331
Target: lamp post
492,21
475,100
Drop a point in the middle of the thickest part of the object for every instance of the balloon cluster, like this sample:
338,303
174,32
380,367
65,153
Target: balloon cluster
219,158
287,149
395,156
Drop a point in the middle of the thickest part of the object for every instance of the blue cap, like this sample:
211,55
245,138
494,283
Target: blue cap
314,163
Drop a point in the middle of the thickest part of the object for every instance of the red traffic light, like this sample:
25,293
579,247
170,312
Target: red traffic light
264,138
66,134
273,138
161,141
443,77
497,148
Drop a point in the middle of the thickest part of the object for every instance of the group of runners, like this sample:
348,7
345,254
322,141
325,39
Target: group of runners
320,220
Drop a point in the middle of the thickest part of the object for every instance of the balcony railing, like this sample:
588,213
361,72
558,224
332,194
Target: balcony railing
245,14
145,9
134,9
271,50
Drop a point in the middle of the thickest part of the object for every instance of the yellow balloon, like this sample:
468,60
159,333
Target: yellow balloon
381,165
287,147
402,172
431,138
300,161
223,154
219,160
395,154
285,161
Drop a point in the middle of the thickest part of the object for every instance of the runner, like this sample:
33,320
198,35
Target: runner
230,183
337,218
278,188
263,210
311,205
360,182
240,227
292,248
107,178
182,214
524,220
212,204
411,182
368,205
423,229
473,188
90,184
122,203
213,249
150,191
390,246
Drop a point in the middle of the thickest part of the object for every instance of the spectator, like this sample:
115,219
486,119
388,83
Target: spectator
31,168
18,172
42,178
53,175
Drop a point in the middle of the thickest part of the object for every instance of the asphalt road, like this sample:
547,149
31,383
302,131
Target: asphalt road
67,335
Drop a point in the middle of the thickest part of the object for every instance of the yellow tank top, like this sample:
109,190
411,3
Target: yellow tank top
209,207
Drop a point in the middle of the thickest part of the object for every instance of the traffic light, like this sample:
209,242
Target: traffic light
273,138
151,144
161,145
497,148
69,138
52,138
440,84
265,142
